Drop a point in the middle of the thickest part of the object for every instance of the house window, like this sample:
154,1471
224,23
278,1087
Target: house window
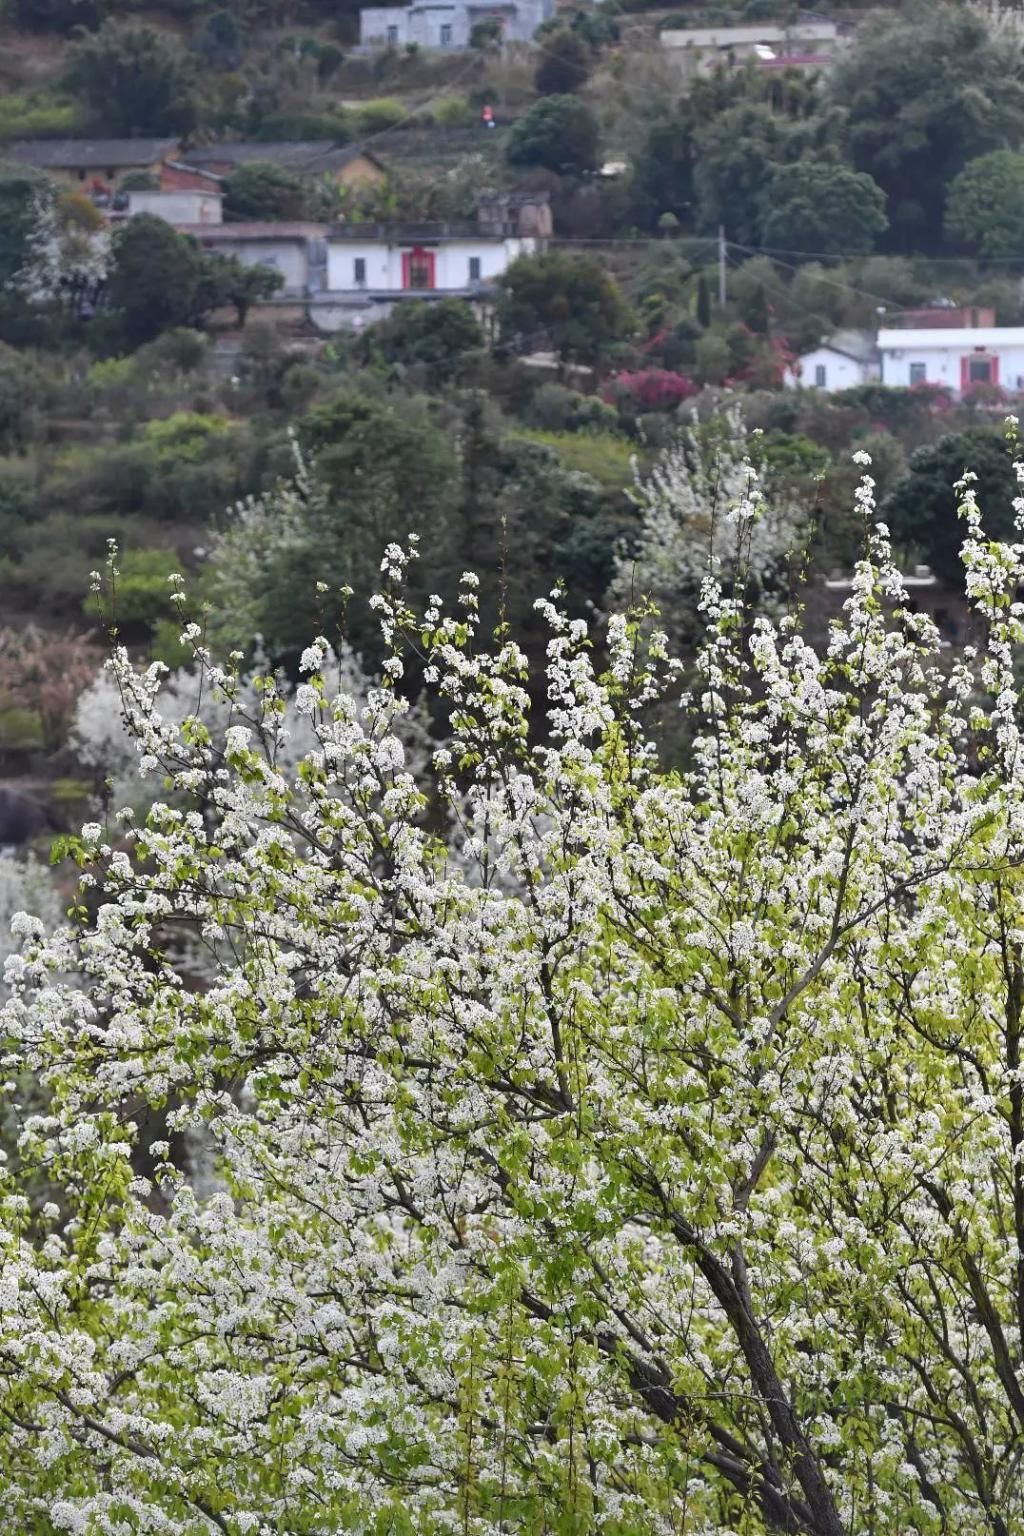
418,269
474,269
392,35
359,271
820,376
917,373
446,34
979,370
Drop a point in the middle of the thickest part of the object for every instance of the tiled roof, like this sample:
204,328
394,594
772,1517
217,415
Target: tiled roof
297,154
254,229
88,154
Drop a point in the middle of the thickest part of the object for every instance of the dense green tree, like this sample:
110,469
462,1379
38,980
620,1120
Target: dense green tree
224,280
564,63
663,171
155,278
572,300
822,209
435,335
132,80
221,41
381,471
985,205
260,190
921,509
596,27
926,90
559,133
55,15
739,150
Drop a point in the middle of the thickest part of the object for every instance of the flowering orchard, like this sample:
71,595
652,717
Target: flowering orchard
641,1157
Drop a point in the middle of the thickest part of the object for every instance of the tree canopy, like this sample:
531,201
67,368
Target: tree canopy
559,133
985,205
926,89
132,80
569,299
823,208
259,190
640,1153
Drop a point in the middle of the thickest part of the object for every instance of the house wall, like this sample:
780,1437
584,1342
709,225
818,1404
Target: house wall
289,257
361,171
841,372
448,23
702,48
178,207
83,177
384,267
942,356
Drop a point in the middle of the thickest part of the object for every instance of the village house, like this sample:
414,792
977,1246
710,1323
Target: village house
804,43
176,206
958,358
430,24
297,250
349,165
352,274
96,165
845,359
958,349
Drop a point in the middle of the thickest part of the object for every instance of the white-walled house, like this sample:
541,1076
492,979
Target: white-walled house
418,261
177,206
297,250
353,274
845,359
699,50
959,359
449,23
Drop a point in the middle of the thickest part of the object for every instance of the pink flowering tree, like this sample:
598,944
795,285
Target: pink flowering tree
650,389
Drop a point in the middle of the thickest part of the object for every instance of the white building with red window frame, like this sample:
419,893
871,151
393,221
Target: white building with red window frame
419,261
959,359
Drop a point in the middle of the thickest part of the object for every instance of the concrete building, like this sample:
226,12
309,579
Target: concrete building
845,359
960,359
177,207
449,23
803,43
353,274
297,250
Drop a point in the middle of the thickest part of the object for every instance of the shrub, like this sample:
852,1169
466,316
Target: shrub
650,389
604,456
142,593
377,116
187,437
453,112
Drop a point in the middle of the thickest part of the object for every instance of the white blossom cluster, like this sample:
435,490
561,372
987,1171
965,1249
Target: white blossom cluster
647,1159
704,512
63,257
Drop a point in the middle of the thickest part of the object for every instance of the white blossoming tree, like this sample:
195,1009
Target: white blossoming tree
103,740
703,511
665,1176
68,256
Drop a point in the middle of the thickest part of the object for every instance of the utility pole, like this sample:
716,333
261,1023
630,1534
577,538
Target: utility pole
722,250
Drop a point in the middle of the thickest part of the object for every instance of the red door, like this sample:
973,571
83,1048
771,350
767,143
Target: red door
418,269
978,368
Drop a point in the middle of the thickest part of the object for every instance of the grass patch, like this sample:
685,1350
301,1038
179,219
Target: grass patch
604,456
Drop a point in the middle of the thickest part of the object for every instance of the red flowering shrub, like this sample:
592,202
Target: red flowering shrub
650,389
